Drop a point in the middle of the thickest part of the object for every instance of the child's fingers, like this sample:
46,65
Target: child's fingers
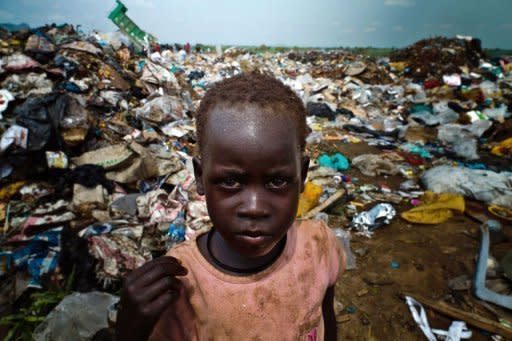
162,271
161,286
157,306
152,271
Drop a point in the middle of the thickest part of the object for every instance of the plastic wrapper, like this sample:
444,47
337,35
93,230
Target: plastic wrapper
5,262
57,160
309,198
457,331
95,230
452,80
155,74
39,256
158,206
117,255
315,138
176,231
15,135
366,222
504,148
5,97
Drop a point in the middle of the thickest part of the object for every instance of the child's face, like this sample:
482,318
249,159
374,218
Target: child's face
252,173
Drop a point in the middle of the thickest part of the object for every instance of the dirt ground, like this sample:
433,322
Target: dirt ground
428,256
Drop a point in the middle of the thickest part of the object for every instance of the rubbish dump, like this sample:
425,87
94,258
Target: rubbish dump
97,140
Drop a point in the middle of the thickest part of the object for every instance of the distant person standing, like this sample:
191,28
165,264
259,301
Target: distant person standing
187,47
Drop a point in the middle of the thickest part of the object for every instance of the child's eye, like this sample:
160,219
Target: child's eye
230,183
277,183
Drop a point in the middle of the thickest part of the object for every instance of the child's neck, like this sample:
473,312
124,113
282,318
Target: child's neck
218,253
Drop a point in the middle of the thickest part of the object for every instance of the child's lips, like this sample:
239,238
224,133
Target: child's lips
253,233
254,238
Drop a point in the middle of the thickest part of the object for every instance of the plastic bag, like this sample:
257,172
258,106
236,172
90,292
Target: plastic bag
25,85
498,114
463,138
435,208
162,110
77,317
373,165
484,185
344,238
41,116
335,161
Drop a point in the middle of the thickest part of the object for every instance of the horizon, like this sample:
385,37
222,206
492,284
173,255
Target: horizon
273,46
284,23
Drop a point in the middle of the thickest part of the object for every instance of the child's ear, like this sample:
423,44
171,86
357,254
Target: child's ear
198,174
304,172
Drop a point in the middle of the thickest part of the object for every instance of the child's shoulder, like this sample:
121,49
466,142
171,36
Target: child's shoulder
317,240
316,229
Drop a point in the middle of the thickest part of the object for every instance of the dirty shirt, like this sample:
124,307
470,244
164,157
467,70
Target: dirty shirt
282,302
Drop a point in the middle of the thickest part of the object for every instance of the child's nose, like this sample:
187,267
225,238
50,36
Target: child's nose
254,205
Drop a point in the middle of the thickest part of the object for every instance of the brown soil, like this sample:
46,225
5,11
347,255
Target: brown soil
428,255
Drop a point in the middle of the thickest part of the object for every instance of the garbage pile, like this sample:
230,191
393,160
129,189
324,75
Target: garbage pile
439,56
96,145
340,64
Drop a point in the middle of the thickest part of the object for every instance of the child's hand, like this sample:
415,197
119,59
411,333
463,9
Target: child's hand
146,293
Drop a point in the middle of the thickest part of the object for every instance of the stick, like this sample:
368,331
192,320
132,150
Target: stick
338,194
7,213
470,318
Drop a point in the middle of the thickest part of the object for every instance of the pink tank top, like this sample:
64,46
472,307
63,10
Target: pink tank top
282,302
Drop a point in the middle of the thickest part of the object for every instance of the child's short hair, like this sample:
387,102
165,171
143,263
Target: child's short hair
253,88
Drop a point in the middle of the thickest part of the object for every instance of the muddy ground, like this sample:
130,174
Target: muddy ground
428,256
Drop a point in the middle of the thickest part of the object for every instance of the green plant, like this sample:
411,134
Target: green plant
22,324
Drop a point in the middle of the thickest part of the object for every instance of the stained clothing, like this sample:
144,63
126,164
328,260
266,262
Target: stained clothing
282,302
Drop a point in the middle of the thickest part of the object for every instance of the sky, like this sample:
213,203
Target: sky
318,23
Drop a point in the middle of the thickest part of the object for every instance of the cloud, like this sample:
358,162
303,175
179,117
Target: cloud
506,27
370,29
445,26
401,3
4,15
398,28
347,30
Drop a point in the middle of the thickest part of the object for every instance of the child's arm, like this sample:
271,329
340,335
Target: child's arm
147,292
328,313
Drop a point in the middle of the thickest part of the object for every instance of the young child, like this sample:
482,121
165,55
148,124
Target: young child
258,274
